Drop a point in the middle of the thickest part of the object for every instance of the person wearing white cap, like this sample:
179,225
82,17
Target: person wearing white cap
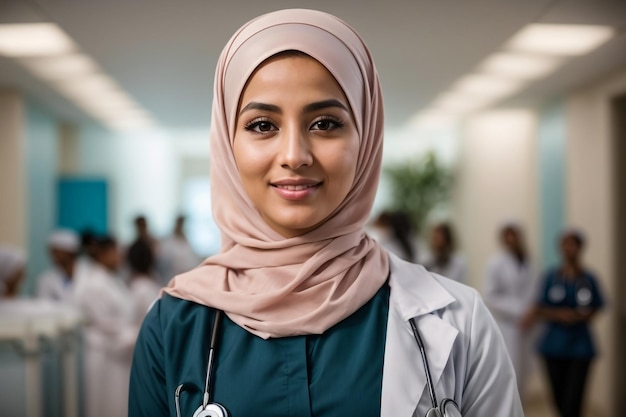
57,283
12,268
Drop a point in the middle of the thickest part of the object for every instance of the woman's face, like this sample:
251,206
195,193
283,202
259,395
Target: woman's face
438,241
296,143
570,249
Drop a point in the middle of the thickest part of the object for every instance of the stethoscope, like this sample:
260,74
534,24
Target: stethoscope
207,408
557,293
213,409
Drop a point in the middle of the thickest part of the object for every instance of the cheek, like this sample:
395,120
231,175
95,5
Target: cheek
346,161
252,162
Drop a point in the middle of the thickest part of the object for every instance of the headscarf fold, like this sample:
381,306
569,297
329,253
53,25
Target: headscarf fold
275,286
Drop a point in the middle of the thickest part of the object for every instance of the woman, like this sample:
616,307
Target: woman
443,260
510,288
317,315
393,230
569,301
110,331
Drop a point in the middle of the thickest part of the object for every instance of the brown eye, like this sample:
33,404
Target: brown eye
264,127
260,126
326,123
323,125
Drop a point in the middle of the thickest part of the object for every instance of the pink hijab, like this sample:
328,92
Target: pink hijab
275,286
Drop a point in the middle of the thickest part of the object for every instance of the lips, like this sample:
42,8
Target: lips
296,189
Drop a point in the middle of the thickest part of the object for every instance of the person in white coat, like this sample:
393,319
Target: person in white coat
510,287
175,255
57,283
143,285
110,332
302,313
443,258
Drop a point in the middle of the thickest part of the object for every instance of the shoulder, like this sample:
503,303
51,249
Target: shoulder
175,316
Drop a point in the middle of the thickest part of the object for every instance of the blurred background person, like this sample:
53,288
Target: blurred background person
143,285
509,291
568,301
12,270
110,332
57,283
88,251
442,258
395,232
175,254
142,231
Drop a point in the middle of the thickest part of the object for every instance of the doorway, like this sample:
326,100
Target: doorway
619,189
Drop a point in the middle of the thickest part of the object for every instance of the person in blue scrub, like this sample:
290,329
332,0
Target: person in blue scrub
570,299
301,313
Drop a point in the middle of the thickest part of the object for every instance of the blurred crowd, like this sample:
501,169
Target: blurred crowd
540,315
112,286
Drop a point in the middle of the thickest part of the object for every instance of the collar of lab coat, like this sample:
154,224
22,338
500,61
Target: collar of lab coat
415,293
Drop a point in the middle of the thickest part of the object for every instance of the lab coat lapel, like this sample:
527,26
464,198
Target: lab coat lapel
414,294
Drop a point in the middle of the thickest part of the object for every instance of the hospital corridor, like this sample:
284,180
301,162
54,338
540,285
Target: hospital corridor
158,150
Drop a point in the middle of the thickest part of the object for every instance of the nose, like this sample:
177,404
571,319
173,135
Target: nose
295,149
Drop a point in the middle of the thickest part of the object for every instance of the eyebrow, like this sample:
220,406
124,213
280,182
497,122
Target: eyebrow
309,108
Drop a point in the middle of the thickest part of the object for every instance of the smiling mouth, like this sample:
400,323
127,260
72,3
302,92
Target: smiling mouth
299,187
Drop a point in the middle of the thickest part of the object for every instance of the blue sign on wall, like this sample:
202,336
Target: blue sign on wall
83,204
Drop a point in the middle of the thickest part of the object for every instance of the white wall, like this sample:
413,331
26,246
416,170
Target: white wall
12,173
143,170
496,181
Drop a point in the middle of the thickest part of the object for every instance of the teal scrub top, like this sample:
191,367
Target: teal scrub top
335,374
568,340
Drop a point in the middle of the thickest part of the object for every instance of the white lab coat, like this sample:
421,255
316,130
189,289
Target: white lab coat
53,285
110,335
175,256
456,268
467,356
145,291
509,293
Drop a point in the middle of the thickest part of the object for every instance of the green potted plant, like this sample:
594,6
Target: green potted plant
417,186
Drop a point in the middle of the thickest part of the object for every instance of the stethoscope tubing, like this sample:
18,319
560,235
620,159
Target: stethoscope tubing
206,398
429,380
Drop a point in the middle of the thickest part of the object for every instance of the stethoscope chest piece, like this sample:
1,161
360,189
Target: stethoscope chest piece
434,412
211,410
583,296
556,293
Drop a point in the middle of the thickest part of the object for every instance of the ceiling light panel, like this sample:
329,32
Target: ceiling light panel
458,102
520,66
60,67
488,86
33,39
560,39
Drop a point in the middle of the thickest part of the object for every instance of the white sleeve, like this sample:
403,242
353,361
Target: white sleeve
490,387
45,286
